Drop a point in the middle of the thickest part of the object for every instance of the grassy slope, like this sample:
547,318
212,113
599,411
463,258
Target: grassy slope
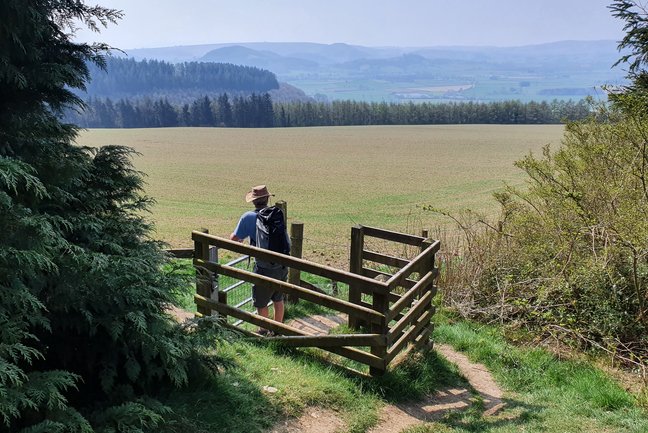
543,394
331,177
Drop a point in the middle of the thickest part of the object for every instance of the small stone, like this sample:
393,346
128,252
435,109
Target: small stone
275,369
270,389
235,384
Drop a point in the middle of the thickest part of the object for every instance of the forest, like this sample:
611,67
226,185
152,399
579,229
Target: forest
258,111
127,77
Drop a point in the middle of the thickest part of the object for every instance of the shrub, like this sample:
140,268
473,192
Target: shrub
570,250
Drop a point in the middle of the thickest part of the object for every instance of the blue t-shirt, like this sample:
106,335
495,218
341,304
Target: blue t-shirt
246,227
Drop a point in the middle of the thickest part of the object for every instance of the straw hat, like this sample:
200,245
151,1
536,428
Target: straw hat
257,192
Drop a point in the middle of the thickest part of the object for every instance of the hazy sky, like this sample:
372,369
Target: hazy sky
158,23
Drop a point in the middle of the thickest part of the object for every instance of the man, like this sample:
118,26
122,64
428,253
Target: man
246,228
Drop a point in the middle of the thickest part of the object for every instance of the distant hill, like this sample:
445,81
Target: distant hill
319,53
563,70
240,55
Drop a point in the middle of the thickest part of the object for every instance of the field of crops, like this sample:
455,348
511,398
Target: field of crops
332,178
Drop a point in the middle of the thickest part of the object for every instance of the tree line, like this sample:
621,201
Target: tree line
258,111
254,111
122,77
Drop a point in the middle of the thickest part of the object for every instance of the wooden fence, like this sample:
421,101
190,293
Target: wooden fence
393,309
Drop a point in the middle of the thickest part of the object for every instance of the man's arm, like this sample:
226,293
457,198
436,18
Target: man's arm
235,238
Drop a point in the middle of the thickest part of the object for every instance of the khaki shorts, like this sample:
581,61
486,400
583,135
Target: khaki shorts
261,296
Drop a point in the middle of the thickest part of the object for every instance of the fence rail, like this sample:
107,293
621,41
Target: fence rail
395,309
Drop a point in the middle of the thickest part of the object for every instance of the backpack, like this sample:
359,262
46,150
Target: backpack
271,233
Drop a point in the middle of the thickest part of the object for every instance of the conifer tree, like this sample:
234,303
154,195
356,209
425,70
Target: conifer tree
85,336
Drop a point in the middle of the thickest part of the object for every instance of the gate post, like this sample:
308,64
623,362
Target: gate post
204,278
426,267
380,304
355,266
296,247
283,205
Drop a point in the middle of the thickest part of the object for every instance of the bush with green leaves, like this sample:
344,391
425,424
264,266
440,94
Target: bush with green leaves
85,337
570,251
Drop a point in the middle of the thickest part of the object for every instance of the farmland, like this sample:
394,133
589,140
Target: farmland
332,178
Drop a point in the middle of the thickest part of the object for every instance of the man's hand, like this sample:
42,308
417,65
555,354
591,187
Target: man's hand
235,238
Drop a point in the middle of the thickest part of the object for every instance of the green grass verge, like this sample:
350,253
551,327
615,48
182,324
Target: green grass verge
544,393
234,400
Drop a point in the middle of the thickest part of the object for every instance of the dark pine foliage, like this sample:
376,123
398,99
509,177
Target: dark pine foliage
85,336
123,77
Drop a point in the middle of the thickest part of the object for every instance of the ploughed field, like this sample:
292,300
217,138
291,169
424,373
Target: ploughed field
331,177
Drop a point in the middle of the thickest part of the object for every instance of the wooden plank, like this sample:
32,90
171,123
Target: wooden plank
424,338
355,267
181,253
381,305
281,328
392,297
384,259
409,336
367,284
319,298
252,318
321,341
389,235
372,273
359,356
296,243
407,298
411,316
204,284
339,340
422,259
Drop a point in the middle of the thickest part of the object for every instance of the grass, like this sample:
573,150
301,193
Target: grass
234,400
543,393
332,178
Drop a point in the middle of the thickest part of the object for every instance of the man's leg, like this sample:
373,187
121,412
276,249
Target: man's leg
263,311
278,311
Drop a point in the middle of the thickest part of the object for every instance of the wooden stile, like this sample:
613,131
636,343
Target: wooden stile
367,314
368,303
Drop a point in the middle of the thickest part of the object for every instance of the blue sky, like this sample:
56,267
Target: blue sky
157,23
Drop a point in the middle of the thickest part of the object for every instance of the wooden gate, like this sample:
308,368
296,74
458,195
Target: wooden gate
393,309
